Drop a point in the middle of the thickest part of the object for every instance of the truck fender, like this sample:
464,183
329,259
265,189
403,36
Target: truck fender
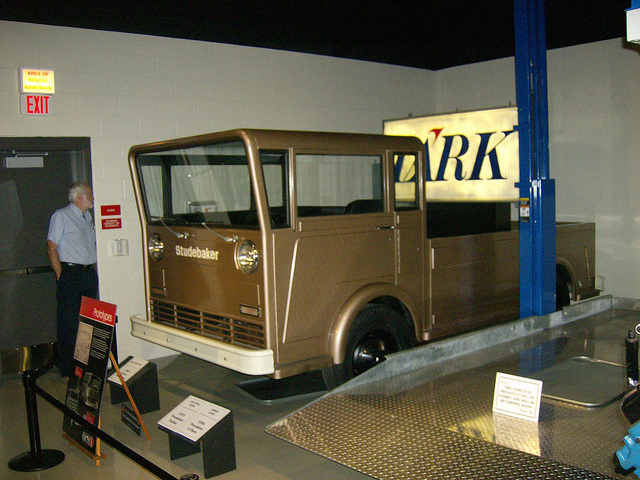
355,303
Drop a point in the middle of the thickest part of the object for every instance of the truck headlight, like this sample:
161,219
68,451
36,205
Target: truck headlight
247,257
156,247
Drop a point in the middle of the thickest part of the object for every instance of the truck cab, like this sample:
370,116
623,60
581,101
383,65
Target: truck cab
277,252
263,247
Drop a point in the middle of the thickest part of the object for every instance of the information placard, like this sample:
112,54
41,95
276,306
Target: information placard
128,369
517,396
193,418
90,360
198,426
37,80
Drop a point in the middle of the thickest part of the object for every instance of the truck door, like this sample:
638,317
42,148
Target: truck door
342,238
409,228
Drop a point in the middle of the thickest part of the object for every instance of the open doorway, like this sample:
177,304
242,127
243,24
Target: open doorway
35,175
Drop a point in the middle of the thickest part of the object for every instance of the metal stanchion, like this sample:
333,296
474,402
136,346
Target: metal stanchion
36,459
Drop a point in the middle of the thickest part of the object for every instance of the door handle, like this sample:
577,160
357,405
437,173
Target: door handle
386,227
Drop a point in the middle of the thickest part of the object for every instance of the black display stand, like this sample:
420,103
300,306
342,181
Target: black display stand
143,386
217,446
216,441
85,386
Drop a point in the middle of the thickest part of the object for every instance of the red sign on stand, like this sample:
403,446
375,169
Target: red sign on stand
96,324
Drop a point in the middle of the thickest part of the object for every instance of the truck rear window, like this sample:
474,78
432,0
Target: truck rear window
339,184
208,183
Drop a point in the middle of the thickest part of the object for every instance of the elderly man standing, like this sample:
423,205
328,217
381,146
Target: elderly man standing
71,246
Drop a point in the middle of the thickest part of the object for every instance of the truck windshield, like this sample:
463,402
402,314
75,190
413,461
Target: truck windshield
205,183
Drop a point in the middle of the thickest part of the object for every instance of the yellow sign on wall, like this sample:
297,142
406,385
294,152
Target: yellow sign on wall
471,156
33,80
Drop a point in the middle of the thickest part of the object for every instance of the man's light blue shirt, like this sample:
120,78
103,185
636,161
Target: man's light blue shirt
74,234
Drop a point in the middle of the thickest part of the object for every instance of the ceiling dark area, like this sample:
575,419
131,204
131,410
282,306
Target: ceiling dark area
424,34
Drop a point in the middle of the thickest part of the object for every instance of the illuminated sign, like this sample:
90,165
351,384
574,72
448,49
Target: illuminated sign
33,80
35,104
469,155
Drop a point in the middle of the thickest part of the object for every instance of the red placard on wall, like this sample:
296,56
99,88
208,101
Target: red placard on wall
111,223
106,210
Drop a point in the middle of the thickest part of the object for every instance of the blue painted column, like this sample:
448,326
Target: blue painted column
537,190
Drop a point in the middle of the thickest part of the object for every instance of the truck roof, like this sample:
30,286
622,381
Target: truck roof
303,140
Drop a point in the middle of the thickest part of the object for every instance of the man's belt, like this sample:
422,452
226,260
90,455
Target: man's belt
79,265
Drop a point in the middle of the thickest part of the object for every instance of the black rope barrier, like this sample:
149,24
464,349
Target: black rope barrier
39,459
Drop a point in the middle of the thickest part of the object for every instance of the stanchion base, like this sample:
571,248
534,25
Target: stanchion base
30,462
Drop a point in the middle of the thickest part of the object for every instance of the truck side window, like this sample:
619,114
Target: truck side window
405,181
275,168
339,184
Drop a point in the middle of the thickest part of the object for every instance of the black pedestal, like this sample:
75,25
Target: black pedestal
217,447
143,386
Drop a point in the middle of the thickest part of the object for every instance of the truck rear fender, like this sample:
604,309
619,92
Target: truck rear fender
378,293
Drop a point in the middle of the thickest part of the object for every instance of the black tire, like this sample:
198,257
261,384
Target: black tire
377,331
563,295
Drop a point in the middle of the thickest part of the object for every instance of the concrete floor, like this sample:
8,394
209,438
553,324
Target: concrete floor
390,422
258,454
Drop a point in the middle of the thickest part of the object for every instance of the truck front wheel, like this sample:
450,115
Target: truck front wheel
377,331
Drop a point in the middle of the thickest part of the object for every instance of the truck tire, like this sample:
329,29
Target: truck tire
377,331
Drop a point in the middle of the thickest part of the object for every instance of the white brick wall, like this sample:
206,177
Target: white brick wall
122,89
594,141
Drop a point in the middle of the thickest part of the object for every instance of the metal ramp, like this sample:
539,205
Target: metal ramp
427,413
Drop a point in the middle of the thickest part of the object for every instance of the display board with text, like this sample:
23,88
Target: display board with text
91,356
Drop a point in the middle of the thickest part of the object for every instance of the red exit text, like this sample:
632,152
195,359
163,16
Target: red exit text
34,104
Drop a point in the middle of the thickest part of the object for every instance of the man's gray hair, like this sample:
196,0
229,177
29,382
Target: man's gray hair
76,189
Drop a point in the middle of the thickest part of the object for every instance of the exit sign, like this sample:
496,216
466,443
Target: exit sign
35,104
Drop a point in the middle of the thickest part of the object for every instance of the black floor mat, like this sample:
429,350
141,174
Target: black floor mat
267,389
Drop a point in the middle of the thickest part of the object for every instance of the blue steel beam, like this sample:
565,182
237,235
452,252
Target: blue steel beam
537,190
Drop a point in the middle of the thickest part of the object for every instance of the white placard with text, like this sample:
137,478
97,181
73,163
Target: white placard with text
517,396
193,417
128,370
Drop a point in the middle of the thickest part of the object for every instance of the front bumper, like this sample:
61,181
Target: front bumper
244,360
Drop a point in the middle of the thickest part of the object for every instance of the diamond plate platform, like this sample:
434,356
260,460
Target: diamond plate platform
427,413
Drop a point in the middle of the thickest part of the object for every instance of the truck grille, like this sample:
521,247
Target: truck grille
243,333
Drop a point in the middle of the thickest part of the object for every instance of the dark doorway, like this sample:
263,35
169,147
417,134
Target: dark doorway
35,175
